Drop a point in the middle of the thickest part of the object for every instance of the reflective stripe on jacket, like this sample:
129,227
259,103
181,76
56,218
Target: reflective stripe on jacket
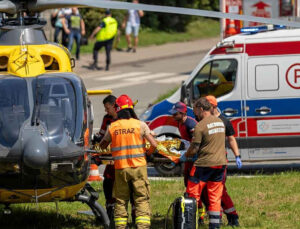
109,31
127,145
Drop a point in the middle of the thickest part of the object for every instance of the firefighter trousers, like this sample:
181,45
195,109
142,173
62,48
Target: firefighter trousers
135,181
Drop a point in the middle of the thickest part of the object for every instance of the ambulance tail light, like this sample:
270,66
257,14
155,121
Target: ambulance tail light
262,28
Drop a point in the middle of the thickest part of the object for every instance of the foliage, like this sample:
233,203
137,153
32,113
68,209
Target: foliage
175,22
155,21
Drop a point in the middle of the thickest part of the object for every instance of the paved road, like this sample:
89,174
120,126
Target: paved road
142,81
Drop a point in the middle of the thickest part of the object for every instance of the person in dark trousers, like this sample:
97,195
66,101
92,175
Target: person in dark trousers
209,145
226,201
111,116
109,172
74,27
105,34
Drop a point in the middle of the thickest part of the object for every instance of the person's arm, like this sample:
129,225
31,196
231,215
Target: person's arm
124,21
96,30
65,27
106,140
141,13
193,149
82,25
151,140
233,145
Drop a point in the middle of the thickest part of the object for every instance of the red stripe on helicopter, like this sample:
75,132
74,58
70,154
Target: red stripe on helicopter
263,49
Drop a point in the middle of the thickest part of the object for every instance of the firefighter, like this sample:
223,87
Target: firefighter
127,136
105,34
226,202
208,170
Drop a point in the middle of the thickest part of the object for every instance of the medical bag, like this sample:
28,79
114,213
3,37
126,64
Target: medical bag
184,213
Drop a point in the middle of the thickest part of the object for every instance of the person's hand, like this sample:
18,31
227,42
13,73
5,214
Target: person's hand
68,31
182,158
195,157
238,162
123,25
83,32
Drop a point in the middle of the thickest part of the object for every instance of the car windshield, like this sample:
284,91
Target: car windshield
55,105
14,108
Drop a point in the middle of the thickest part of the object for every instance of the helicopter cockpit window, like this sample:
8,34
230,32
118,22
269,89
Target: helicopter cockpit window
56,105
216,78
14,109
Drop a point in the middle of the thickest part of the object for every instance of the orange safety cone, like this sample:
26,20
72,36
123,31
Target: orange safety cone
94,173
231,28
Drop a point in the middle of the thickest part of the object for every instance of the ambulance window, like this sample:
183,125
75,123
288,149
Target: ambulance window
267,73
216,78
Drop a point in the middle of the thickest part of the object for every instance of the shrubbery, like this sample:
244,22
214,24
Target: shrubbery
155,21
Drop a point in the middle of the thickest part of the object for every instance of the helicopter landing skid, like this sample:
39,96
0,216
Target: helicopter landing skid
89,196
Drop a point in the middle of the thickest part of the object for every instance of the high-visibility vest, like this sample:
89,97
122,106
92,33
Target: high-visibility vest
109,31
127,144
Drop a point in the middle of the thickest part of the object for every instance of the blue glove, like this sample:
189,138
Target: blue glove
238,162
182,158
195,157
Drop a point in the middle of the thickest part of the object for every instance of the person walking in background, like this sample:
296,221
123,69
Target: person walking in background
56,21
105,34
132,22
74,27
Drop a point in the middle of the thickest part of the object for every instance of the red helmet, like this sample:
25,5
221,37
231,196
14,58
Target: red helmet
123,102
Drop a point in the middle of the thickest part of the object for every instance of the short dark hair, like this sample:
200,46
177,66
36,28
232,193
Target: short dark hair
110,99
204,103
127,114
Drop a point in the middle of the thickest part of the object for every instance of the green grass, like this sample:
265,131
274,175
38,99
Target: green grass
165,95
202,28
263,201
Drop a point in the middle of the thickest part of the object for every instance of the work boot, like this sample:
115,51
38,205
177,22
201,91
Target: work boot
233,220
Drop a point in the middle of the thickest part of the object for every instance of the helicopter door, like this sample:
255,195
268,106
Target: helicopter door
14,109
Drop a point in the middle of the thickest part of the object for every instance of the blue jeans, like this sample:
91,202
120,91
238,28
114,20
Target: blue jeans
75,34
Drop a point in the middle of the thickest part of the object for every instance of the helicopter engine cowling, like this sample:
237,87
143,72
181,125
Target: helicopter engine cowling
35,154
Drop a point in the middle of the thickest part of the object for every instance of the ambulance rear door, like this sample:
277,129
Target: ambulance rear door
272,105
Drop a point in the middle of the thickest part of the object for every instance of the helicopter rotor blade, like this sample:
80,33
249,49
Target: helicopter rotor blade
7,7
40,5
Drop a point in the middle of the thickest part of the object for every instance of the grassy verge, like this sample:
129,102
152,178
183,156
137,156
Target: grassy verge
202,28
165,95
271,201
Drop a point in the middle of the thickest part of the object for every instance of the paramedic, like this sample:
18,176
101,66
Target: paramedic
208,170
186,127
226,201
127,136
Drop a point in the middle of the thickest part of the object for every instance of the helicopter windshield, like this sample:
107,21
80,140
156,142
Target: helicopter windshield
14,108
55,105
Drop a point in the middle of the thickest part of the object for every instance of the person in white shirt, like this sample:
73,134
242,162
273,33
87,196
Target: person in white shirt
132,23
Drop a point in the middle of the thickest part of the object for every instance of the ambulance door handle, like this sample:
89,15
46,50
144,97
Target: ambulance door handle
263,110
230,112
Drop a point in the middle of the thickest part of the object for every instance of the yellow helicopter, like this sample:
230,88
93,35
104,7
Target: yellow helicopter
45,113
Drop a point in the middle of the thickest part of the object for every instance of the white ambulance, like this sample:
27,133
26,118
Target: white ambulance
256,79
